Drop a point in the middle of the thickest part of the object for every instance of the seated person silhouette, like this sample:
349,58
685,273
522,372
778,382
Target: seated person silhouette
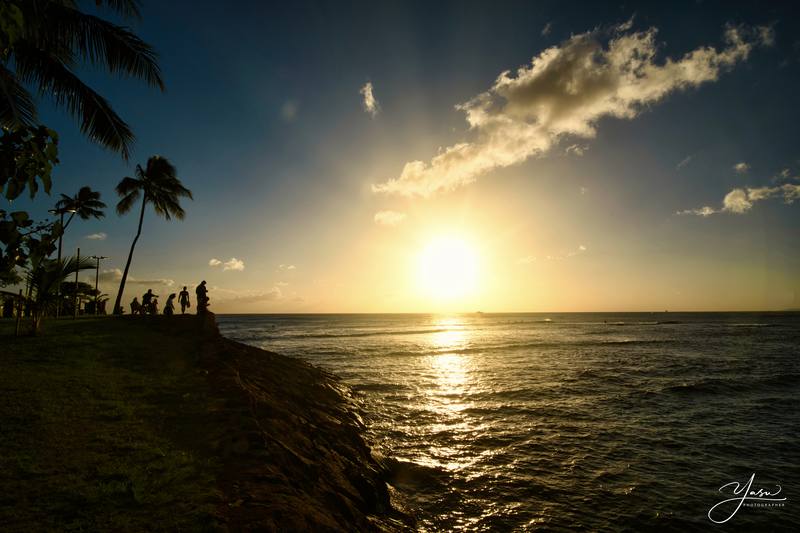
149,304
169,307
136,307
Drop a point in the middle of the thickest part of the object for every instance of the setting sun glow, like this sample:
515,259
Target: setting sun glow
447,269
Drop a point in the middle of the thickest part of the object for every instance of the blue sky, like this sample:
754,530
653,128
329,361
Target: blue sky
264,120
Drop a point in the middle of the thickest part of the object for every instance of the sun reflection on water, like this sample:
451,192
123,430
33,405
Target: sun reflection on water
452,374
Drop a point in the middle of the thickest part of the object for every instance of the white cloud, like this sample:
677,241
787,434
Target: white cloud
101,236
114,275
564,92
371,105
741,168
741,200
547,29
389,218
230,264
736,202
584,190
233,264
685,161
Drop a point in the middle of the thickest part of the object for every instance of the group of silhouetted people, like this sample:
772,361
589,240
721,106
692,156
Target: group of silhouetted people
149,303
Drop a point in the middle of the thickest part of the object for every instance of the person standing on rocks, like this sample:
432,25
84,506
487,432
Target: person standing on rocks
202,298
183,298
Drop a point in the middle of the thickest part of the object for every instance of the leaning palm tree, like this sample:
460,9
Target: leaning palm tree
46,42
158,185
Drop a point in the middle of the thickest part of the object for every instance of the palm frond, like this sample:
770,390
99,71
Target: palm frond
127,202
16,104
102,43
99,122
125,8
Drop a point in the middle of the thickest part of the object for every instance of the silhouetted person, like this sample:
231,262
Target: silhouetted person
148,303
169,307
202,298
183,298
136,307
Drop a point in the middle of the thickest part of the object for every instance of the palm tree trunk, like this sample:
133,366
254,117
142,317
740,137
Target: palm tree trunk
117,307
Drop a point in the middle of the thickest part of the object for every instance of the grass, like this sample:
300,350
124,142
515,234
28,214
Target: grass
101,428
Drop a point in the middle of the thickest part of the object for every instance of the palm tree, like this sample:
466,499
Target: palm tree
44,42
86,204
45,279
158,185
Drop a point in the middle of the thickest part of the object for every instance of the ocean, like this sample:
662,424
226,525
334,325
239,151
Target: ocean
564,422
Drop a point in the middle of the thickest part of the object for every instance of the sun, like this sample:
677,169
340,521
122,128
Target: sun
447,269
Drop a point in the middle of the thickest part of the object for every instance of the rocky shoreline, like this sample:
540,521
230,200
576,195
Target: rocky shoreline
291,444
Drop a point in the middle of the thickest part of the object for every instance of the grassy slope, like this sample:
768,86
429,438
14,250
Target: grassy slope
98,422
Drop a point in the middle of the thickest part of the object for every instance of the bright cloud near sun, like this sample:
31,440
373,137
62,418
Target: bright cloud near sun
564,92
370,102
389,218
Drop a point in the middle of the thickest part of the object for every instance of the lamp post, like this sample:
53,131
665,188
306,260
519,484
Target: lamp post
60,237
75,296
96,279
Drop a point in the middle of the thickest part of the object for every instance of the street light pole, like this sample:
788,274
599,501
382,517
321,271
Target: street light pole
75,297
60,238
96,279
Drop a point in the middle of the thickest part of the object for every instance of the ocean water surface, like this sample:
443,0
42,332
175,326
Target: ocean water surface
564,422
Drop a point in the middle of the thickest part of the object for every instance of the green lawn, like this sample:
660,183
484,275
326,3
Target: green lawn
101,427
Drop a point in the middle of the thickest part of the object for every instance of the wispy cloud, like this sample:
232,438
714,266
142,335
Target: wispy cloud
101,236
227,296
741,200
530,259
685,161
547,29
286,267
389,218
115,275
577,149
564,92
741,168
230,264
371,105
